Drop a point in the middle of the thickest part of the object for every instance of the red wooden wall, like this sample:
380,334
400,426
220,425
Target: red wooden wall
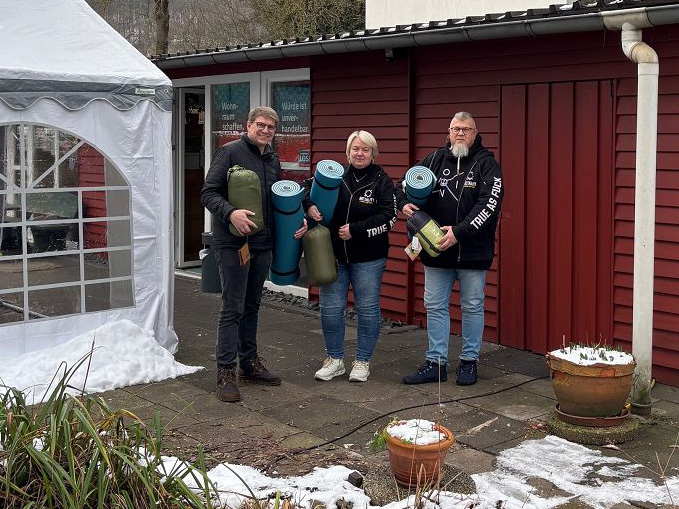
560,117
362,91
559,112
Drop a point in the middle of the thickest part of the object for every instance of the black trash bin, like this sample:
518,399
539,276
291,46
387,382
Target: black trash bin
210,282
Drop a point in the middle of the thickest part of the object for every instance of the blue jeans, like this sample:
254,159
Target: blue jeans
242,287
366,281
438,284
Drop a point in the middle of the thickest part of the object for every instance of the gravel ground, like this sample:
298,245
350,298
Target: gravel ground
304,303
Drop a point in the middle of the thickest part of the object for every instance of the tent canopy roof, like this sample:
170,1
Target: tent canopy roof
66,51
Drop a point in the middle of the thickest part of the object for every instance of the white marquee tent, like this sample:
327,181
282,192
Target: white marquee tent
85,179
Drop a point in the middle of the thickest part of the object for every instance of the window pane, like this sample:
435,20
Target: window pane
230,108
11,274
10,156
111,295
106,203
54,302
108,265
291,101
38,218
10,208
56,205
53,269
41,154
100,234
52,237
10,241
11,307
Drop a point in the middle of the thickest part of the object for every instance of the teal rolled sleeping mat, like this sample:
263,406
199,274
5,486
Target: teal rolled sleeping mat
286,197
419,182
325,187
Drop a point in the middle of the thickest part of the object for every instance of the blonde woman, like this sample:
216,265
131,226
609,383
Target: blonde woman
364,214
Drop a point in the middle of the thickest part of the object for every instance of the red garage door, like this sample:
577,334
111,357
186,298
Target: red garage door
556,238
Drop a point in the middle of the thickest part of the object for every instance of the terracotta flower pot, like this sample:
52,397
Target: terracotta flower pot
597,390
408,460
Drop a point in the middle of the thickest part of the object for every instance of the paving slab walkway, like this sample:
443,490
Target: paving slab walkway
306,423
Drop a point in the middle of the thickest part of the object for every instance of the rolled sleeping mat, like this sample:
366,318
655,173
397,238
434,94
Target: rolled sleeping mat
419,182
325,187
245,192
321,265
286,197
427,231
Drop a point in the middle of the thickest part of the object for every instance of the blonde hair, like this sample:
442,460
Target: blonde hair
366,138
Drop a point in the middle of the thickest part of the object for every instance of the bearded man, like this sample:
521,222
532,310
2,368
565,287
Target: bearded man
465,201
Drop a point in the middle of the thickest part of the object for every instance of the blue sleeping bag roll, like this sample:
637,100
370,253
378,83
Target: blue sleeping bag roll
325,187
419,182
286,197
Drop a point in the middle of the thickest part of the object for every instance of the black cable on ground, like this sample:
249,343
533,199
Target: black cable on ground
454,400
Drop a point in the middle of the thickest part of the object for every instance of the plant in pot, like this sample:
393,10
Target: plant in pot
417,450
591,381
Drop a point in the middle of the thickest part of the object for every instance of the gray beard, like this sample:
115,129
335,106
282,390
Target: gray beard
459,150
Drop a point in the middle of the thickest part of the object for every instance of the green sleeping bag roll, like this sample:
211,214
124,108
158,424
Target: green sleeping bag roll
320,260
245,192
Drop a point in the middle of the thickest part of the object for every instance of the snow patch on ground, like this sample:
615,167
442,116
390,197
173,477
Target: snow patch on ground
124,354
579,471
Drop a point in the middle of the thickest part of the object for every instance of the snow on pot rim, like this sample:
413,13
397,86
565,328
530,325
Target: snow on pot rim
590,356
416,431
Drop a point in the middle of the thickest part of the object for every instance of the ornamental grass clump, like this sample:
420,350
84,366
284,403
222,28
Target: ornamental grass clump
75,452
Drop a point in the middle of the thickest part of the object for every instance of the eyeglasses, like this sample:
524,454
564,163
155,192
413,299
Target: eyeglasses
463,130
265,127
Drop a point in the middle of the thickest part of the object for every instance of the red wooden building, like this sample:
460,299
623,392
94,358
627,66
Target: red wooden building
555,98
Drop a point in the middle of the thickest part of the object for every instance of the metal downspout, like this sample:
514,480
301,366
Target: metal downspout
644,204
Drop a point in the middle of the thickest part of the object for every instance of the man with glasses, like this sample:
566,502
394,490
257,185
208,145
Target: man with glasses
466,203
244,260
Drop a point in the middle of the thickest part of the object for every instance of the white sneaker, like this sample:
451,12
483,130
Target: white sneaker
359,371
331,368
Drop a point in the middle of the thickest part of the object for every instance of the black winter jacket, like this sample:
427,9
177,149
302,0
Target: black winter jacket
215,191
469,200
366,203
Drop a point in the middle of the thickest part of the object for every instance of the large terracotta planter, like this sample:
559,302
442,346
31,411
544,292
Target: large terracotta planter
414,465
597,390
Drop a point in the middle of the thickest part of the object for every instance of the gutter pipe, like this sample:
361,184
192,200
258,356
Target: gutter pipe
655,15
644,199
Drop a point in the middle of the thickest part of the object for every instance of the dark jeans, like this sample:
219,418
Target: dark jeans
241,294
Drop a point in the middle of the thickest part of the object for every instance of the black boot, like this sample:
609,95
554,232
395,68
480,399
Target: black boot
427,373
226,385
253,370
466,373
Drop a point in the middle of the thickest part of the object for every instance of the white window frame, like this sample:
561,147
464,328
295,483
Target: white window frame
27,188
260,95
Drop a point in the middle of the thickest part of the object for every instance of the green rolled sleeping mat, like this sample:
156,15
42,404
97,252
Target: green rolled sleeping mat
245,192
427,231
320,260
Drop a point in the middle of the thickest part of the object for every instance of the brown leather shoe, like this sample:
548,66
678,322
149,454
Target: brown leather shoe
226,385
252,370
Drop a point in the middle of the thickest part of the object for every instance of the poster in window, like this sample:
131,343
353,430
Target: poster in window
291,100
230,107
